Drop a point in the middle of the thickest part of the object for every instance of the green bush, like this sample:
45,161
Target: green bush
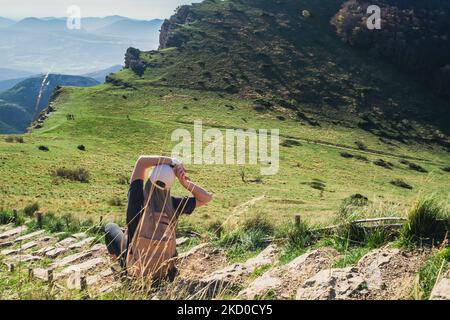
6,217
298,237
31,209
80,174
428,222
115,202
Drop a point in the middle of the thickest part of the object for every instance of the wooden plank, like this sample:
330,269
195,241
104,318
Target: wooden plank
380,219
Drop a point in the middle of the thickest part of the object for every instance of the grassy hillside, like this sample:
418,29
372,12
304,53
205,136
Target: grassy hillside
286,54
116,125
23,102
349,124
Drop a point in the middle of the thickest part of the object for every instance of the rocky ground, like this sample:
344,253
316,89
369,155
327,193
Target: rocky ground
82,262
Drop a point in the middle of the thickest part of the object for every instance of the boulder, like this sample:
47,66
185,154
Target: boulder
442,289
226,278
332,284
284,281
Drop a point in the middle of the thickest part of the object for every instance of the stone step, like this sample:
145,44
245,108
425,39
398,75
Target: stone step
79,236
66,242
57,249
23,247
83,267
6,244
71,259
6,227
24,258
45,274
76,281
13,232
225,279
53,253
29,236
81,243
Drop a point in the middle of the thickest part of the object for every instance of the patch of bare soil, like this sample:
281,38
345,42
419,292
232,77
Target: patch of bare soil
193,266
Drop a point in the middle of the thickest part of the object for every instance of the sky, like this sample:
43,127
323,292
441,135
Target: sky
138,9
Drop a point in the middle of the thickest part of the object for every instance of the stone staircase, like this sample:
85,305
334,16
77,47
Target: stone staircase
81,262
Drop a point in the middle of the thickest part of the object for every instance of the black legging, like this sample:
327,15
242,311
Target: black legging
116,242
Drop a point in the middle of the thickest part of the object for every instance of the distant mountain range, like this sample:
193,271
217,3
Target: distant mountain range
22,103
6,74
39,45
99,76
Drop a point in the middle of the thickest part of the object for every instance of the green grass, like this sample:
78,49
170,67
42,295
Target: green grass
428,222
113,144
428,274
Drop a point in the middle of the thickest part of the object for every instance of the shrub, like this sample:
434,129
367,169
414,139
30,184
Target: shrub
124,180
402,184
249,237
317,184
43,148
446,169
6,217
31,209
81,147
11,139
413,166
347,155
289,143
298,236
428,222
66,223
80,174
361,158
384,164
115,202
351,203
258,222
360,145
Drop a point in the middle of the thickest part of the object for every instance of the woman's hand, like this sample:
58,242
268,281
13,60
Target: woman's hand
202,197
180,173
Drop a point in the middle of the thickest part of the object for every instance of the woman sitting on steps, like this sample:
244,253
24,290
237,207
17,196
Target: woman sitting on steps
148,247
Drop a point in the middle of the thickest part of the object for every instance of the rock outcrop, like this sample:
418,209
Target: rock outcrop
282,282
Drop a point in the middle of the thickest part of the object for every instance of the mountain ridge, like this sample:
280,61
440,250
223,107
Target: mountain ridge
22,103
286,54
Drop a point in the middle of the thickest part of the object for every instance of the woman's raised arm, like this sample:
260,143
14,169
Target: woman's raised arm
146,162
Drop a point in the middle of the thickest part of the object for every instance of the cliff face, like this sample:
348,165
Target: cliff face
168,37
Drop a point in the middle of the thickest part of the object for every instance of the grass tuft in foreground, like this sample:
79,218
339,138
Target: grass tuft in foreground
428,222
